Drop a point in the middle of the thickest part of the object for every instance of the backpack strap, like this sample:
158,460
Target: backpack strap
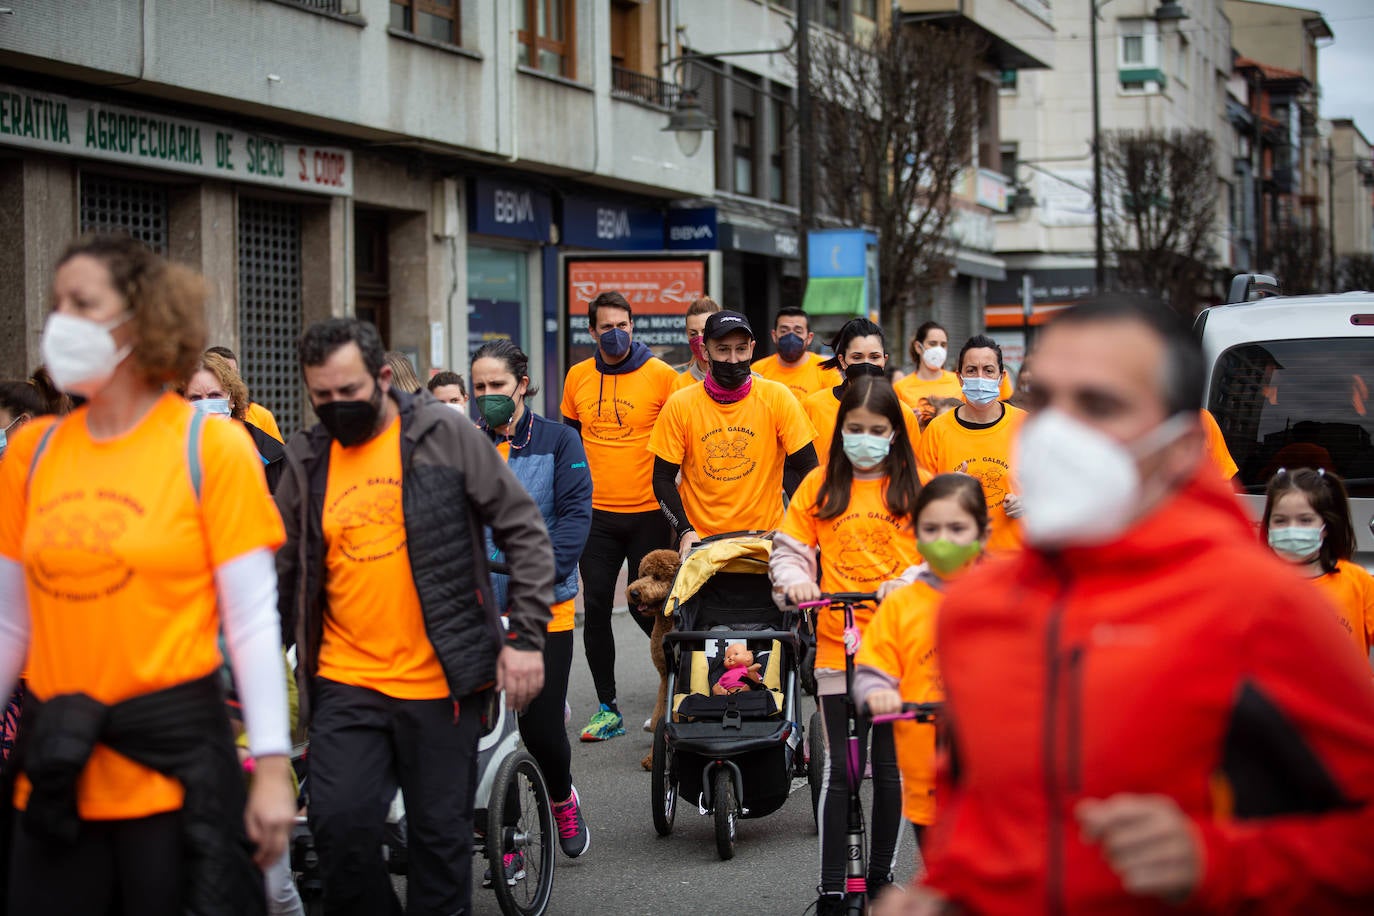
38,453
193,435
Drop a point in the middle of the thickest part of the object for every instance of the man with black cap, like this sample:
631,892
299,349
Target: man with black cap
738,440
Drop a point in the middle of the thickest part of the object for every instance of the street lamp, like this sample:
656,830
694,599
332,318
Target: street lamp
689,120
1168,11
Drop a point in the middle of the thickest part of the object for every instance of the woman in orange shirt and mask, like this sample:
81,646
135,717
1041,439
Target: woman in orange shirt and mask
130,535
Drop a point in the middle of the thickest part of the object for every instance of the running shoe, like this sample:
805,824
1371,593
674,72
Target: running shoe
513,864
573,836
605,724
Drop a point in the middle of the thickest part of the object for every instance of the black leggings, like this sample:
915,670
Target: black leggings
542,727
885,820
615,538
129,867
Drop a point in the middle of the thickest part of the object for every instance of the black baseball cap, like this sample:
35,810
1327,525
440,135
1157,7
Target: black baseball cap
718,324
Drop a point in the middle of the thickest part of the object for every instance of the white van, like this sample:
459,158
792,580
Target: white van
1291,383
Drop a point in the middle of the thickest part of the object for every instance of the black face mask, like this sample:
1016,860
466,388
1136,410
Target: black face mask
730,375
859,370
352,422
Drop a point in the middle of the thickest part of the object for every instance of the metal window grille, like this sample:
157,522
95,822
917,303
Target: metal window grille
115,205
270,306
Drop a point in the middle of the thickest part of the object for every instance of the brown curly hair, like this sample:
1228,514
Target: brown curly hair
233,385
167,301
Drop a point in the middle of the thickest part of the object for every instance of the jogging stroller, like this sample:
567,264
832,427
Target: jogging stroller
734,755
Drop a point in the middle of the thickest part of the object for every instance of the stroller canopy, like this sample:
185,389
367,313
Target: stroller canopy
744,554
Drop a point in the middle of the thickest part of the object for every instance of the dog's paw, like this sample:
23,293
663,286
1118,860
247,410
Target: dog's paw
648,761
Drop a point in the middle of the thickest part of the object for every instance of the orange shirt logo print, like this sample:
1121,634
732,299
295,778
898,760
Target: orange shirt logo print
370,522
866,554
992,474
612,420
78,557
727,454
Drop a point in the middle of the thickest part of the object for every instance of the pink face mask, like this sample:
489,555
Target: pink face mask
697,344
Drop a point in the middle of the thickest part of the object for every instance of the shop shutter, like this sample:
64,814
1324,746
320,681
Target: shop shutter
115,205
270,306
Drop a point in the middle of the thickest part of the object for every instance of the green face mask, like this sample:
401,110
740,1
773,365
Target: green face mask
496,409
948,559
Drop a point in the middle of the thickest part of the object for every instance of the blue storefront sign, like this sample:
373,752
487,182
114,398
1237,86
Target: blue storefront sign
838,252
695,229
591,223
509,209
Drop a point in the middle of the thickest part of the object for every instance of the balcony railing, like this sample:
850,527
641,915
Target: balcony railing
627,84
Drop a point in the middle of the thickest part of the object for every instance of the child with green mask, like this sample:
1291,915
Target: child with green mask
898,661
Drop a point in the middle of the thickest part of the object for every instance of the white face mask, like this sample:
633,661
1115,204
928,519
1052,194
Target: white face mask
80,354
1080,487
934,357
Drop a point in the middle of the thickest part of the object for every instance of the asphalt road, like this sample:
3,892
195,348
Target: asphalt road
629,868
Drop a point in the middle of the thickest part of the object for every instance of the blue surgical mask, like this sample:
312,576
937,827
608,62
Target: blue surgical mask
791,347
615,343
1296,543
215,407
981,390
866,451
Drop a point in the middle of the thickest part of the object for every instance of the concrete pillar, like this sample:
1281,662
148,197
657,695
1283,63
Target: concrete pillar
204,234
38,211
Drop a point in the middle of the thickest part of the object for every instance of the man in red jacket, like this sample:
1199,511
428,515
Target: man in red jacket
1146,710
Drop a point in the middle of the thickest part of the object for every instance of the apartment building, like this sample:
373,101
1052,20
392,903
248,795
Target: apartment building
1348,166
425,164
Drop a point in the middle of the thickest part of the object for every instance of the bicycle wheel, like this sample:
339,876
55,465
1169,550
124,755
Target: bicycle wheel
663,791
727,812
520,822
815,765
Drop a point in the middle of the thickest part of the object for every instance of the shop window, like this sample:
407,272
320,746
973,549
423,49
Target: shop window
436,20
270,306
546,32
114,205
743,126
498,296
371,271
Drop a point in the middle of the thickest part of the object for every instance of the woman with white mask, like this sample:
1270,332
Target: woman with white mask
132,533
856,510
931,380
976,439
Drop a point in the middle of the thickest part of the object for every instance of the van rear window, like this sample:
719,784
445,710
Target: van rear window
1298,403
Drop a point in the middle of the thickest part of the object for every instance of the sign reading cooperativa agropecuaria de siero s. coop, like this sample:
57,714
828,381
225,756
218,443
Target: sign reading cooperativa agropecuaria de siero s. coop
79,127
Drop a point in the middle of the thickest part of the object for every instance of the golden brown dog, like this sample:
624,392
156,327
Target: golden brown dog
647,595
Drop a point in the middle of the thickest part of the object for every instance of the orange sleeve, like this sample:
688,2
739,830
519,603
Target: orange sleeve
569,404
913,427
262,418
238,512
668,440
800,520
14,475
928,452
794,428
882,640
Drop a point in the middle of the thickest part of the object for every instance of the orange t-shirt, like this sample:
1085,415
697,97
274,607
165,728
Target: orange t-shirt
119,557
617,412
564,612
1217,451
860,550
685,379
374,630
946,444
823,409
731,454
800,380
1351,590
916,393
900,641
262,418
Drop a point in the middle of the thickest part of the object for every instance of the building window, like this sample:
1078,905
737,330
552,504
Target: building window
1008,161
867,9
743,125
1138,57
1007,81
832,14
1132,49
547,28
436,20
1181,67
777,161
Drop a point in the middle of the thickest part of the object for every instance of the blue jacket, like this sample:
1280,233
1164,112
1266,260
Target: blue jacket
548,460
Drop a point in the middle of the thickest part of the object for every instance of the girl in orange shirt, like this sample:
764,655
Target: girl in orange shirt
856,510
1307,522
131,535
860,351
898,661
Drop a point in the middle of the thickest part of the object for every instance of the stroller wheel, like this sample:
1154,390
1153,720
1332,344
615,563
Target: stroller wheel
815,764
663,791
727,812
520,823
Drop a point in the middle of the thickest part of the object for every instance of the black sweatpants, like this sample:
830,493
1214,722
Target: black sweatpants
884,820
115,868
363,744
541,725
615,538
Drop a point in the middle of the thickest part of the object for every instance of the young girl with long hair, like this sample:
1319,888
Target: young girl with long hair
856,511
898,661
1307,522
860,352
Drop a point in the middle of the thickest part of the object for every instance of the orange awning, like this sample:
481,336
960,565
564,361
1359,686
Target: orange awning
1010,316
